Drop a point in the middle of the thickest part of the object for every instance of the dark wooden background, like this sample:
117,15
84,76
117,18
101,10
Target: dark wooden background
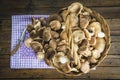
110,9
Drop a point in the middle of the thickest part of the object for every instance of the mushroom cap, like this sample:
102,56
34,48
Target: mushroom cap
47,34
40,55
54,34
85,67
78,36
33,34
96,54
36,46
53,44
30,28
55,25
92,41
96,27
63,35
50,53
40,31
27,42
75,7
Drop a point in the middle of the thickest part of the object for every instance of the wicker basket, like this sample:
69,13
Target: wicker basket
105,29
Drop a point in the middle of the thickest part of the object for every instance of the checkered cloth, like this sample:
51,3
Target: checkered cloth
24,57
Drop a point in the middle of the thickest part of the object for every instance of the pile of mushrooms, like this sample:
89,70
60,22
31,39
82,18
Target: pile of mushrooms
71,40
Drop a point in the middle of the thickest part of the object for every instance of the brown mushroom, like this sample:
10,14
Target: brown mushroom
40,31
85,67
65,68
36,46
37,25
100,44
78,36
55,25
47,34
50,53
63,35
96,27
92,41
87,34
63,48
53,44
40,55
27,42
54,34
33,34
30,28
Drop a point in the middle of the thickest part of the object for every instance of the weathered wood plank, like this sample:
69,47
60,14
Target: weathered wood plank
107,12
105,72
61,3
108,62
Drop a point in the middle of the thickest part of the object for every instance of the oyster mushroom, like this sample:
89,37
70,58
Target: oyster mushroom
40,55
60,58
96,54
40,31
36,46
100,44
54,34
83,45
63,35
85,67
47,34
66,68
55,25
92,41
48,62
83,48
50,53
27,42
78,36
75,7
33,34
53,44
30,28
87,34
37,25
96,27
61,42
63,48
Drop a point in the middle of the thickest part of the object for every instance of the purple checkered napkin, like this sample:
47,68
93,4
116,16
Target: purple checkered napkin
24,57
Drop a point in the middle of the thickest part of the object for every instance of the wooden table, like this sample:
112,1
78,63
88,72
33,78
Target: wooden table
110,9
